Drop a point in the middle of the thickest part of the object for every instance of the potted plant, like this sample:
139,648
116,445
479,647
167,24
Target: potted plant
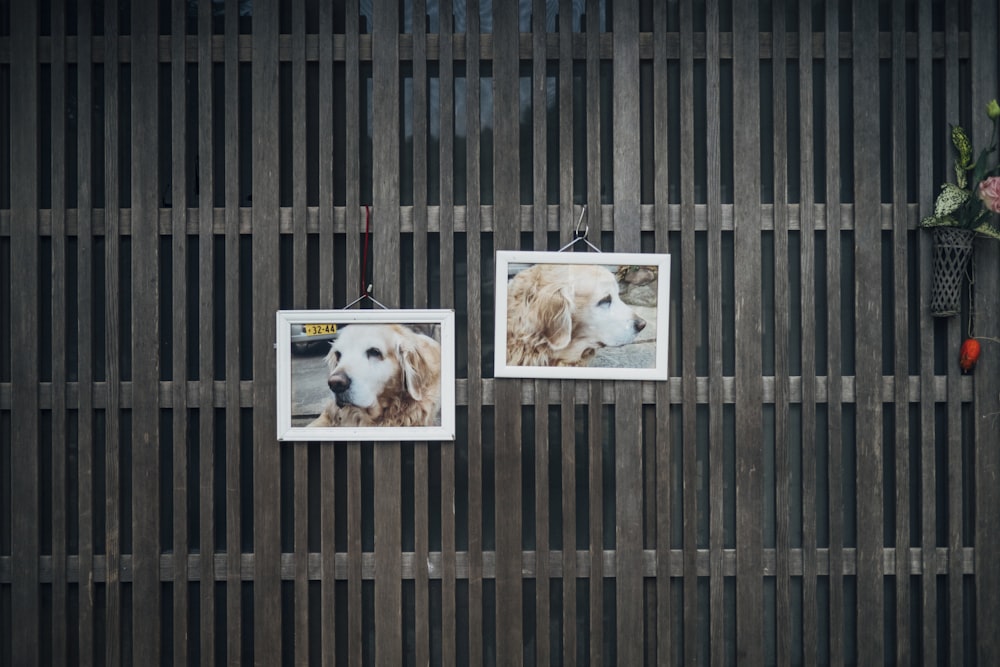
963,209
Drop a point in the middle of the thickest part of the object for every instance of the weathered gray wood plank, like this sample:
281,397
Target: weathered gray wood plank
422,618
264,245
507,430
782,288
57,317
206,268
928,511
300,452
834,369
749,430
112,345
901,254
716,433
25,596
234,274
446,152
178,300
473,176
868,336
569,510
690,337
810,629
984,68
84,335
145,436
628,441
385,253
597,470
984,77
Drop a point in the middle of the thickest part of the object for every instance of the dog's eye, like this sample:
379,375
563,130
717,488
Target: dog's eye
606,301
336,354
374,353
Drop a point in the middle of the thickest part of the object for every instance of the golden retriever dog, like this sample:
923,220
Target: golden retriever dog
383,375
560,314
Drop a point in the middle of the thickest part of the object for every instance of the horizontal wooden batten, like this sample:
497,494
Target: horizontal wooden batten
459,48
942,559
99,392
486,221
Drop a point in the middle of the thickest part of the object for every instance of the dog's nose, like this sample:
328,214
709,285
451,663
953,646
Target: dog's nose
339,383
640,324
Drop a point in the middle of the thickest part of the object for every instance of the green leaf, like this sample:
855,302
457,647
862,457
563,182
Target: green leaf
988,228
962,146
939,221
950,200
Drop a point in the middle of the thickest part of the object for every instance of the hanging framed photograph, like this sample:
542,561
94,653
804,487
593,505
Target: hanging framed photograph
366,375
574,315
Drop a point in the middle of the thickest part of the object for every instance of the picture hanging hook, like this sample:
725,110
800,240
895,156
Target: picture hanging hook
579,235
367,295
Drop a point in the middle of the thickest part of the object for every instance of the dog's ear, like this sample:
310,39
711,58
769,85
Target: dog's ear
553,309
420,358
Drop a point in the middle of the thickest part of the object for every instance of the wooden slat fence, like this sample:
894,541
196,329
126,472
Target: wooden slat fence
817,482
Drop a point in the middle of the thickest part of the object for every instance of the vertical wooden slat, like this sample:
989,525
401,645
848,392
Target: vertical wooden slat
928,463
568,449
539,133
868,332
925,176
595,402
84,334
834,370
419,111
145,342
782,287
473,226
807,226
24,422
596,495
58,477
206,332
507,438
628,441
985,75
388,468
112,293
421,487
665,641
747,243
234,436
446,150
717,534
954,335
178,216
266,460
300,451
690,337
352,170
327,512
901,254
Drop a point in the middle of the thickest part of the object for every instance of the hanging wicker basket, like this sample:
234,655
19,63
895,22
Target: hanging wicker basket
952,249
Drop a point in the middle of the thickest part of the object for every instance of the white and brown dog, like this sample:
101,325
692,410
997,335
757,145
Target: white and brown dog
560,314
383,375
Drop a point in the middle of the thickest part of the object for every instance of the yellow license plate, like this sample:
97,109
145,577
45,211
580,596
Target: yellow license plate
319,329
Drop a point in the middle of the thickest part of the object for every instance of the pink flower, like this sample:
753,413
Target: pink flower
989,192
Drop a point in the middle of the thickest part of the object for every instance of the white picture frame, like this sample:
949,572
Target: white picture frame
624,353
308,342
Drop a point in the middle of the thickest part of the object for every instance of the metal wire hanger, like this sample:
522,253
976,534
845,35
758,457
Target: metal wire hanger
580,231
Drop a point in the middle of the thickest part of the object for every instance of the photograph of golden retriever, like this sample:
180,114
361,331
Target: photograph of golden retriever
382,375
562,314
